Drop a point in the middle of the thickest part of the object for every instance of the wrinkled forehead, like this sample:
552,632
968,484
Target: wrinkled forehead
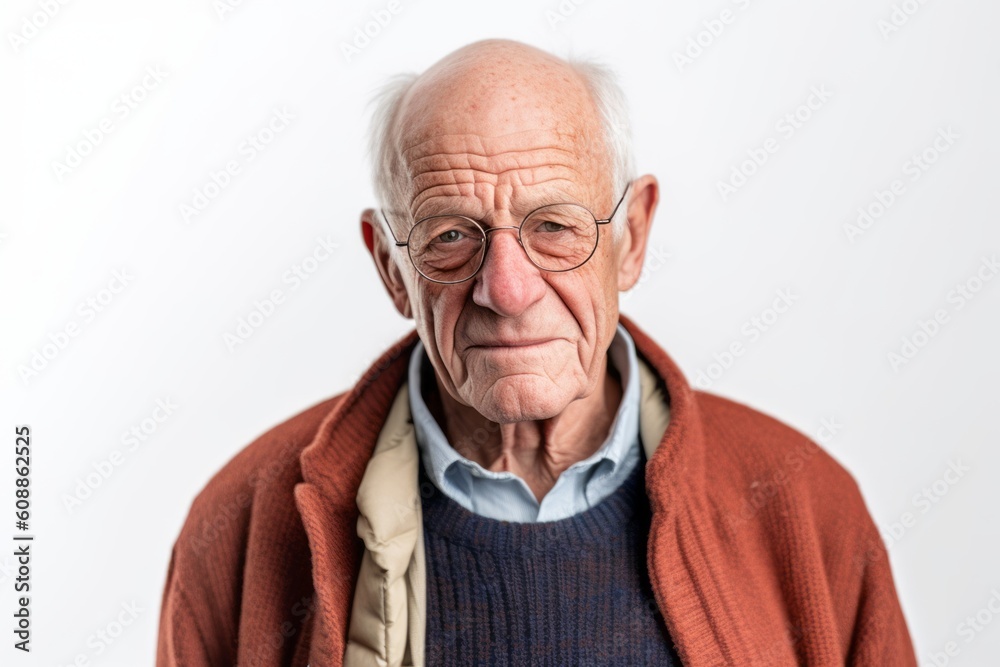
438,155
474,174
500,121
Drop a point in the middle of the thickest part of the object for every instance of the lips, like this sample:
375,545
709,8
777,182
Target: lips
513,342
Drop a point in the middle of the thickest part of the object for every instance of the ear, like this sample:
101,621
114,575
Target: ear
643,197
381,249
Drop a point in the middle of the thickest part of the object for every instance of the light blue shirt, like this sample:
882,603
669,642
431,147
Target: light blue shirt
505,495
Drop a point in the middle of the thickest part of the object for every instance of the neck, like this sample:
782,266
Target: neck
537,451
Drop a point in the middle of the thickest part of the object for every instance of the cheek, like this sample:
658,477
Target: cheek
608,281
591,299
596,303
608,257
441,306
602,274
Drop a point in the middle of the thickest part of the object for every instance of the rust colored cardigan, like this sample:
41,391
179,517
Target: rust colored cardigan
761,550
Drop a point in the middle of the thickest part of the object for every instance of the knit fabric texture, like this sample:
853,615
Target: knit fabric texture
567,592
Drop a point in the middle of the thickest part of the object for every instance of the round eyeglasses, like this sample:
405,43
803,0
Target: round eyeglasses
452,248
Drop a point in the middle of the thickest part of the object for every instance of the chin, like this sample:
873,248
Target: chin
523,398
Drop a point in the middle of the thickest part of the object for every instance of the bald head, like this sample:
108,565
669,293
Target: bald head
496,88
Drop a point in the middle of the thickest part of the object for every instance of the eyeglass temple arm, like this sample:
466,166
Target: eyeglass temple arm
399,244
612,216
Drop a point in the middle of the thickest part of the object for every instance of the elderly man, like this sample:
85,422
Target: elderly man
527,478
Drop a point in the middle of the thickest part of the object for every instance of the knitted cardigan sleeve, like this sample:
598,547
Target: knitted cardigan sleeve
880,635
222,604
181,642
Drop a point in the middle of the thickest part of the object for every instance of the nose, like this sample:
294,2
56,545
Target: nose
508,283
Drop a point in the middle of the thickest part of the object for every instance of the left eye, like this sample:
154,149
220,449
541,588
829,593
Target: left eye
450,236
549,226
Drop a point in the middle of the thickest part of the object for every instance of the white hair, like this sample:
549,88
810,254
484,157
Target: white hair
388,172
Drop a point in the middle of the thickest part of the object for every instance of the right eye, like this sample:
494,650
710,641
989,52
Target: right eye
450,236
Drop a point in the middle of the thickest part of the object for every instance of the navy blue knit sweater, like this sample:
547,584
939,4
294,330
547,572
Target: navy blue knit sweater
568,592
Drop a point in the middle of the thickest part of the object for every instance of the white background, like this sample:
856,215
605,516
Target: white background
162,336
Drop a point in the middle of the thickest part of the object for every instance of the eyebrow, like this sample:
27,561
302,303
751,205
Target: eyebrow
518,212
